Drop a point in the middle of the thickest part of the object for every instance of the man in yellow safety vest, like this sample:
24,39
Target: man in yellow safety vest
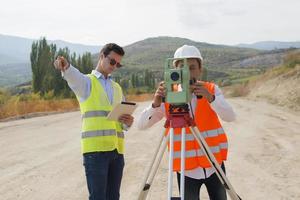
102,141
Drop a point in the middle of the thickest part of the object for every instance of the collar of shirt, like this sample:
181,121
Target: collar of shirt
100,75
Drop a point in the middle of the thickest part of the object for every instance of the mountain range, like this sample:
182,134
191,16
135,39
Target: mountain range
221,60
271,45
15,49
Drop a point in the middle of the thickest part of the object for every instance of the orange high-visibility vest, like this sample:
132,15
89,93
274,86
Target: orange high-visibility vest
210,128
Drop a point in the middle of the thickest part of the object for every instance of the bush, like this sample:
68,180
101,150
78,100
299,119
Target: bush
292,59
240,90
29,97
4,97
49,95
138,92
224,83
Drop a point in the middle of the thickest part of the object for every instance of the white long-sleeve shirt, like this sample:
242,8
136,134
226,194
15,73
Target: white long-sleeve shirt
152,115
81,84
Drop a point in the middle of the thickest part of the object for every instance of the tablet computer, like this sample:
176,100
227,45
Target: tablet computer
120,109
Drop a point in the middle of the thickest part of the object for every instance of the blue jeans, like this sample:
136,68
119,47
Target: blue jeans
215,189
103,172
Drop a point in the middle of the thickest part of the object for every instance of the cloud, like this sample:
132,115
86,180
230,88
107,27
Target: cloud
124,22
202,14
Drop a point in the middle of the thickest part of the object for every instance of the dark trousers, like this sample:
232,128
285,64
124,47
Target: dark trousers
103,172
215,189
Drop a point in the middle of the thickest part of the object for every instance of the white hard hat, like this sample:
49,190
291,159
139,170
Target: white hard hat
187,51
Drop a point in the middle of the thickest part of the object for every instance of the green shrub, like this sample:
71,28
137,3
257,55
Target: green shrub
4,97
292,59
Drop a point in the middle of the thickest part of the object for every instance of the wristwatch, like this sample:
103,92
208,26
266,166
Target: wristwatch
155,106
214,97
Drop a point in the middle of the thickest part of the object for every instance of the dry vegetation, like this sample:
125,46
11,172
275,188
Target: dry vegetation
25,105
139,98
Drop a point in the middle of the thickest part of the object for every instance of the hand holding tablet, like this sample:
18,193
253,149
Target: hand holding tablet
121,109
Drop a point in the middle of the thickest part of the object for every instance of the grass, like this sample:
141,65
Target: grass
140,97
22,105
26,104
237,90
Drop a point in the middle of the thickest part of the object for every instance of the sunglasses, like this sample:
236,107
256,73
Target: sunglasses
113,62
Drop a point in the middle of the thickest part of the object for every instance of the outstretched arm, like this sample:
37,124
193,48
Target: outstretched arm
78,82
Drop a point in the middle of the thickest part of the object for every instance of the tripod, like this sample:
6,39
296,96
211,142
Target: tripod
179,118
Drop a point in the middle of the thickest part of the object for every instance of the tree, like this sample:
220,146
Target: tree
137,81
86,65
147,78
73,59
44,77
41,60
34,66
204,74
133,80
124,83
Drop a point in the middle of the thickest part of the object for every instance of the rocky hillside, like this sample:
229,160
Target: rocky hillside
280,85
225,64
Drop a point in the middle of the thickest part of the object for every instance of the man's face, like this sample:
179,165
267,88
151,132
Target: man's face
110,62
195,69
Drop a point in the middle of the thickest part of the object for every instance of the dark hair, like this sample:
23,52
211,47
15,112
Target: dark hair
112,47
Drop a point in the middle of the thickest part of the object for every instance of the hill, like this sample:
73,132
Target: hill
223,62
271,45
152,52
14,74
17,49
279,85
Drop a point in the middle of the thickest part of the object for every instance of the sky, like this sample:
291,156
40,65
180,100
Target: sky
97,22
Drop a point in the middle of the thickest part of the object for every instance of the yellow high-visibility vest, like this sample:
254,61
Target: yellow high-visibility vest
98,133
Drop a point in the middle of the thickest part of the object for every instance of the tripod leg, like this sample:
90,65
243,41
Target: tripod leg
182,163
171,156
213,162
145,187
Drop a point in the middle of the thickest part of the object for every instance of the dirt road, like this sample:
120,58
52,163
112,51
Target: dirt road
41,158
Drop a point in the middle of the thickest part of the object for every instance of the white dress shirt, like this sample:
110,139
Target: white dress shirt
81,84
152,115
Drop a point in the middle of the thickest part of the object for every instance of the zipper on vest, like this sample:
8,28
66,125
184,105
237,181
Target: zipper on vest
204,173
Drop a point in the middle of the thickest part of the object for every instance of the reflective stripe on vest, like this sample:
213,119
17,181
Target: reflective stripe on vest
195,153
97,113
212,133
188,137
205,134
224,145
102,133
